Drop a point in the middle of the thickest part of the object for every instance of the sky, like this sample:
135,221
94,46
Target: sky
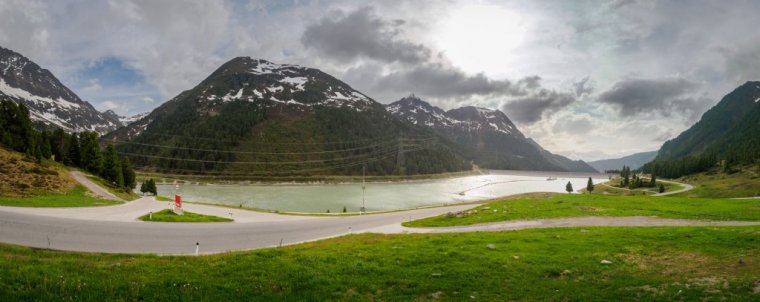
585,79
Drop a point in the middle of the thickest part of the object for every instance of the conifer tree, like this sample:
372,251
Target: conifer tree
569,187
128,173
590,185
112,167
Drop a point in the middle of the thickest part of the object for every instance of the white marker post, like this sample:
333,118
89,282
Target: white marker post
197,248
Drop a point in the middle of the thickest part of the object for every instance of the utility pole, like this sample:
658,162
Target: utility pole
364,187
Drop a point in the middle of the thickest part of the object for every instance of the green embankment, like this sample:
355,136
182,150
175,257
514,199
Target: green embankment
742,183
77,197
553,205
169,216
119,192
676,263
612,187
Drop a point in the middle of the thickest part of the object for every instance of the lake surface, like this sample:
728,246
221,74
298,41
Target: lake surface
318,198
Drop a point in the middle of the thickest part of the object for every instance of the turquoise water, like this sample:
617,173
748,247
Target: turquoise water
318,198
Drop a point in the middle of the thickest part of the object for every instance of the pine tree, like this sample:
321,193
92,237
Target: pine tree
344,209
91,159
653,181
590,185
111,170
73,154
569,187
128,173
144,187
152,187
662,188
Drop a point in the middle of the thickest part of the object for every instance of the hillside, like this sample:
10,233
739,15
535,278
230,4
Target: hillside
22,176
634,161
49,102
488,137
725,136
716,124
252,117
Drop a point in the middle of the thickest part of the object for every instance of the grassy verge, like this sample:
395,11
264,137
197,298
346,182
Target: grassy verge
169,216
77,197
549,205
119,192
743,183
612,187
531,265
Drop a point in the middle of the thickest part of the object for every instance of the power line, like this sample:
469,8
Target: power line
268,173
279,143
255,162
256,152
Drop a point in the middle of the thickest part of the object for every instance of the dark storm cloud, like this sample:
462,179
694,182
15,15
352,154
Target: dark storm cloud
363,34
532,108
583,87
345,38
634,96
438,80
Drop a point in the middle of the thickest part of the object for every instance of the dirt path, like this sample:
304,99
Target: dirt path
593,221
93,187
686,187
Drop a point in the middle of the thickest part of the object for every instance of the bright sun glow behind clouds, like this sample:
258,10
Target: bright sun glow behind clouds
481,38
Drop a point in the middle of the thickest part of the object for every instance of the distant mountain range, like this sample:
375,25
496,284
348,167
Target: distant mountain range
485,136
252,116
125,120
50,103
634,161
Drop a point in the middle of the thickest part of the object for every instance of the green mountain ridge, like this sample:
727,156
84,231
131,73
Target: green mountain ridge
256,118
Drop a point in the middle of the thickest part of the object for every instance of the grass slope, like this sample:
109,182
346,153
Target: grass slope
535,265
744,183
76,197
169,216
119,192
21,176
612,187
549,205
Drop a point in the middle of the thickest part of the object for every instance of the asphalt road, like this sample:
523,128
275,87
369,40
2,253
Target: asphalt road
81,178
46,230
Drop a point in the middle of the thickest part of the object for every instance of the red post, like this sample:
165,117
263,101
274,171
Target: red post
177,201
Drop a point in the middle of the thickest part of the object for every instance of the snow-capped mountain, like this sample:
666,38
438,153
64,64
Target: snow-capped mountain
270,84
49,101
492,139
125,120
256,111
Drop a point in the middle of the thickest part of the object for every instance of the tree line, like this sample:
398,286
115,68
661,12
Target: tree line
81,150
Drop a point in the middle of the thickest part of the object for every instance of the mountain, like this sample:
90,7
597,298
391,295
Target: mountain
49,102
125,120
255,117
725,136
634,161
716,124
486,136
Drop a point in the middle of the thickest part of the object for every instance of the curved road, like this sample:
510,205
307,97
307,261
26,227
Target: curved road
115,229
93,187
686,187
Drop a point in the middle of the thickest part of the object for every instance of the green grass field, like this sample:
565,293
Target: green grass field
552,205
677,263
169,216
77,197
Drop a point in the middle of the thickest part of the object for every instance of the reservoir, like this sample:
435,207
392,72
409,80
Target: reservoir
318,198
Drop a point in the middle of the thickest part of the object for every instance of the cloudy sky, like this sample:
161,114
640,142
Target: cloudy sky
586,79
